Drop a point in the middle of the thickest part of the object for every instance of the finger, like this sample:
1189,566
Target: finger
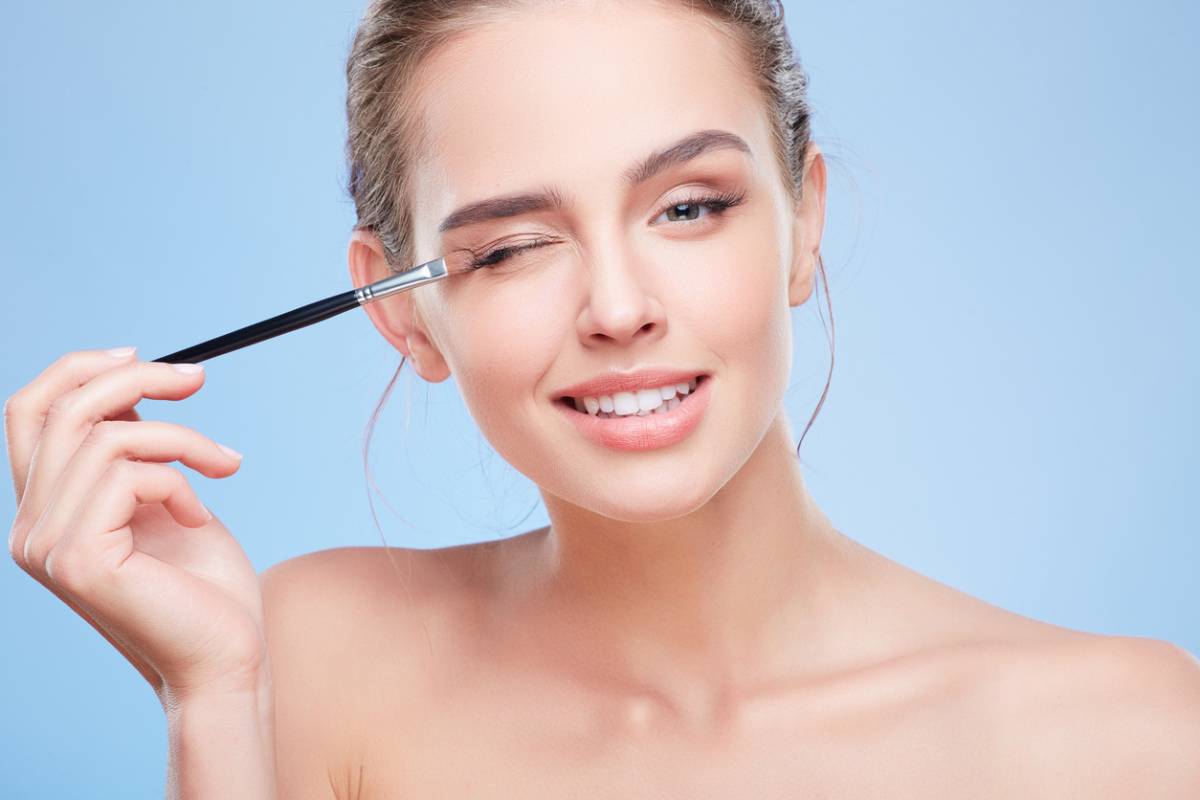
25,411
98,539
110,441
71,416
77,567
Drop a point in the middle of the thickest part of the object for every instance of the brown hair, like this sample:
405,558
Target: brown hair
383,133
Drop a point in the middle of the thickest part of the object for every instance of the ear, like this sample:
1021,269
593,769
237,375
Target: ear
809,222
396,316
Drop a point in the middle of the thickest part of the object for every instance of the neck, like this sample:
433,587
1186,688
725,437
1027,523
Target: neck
734,594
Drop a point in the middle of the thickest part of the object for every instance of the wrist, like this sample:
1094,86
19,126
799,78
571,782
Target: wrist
228,691
221,741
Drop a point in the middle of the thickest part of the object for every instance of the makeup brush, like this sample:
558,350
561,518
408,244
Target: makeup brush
313,312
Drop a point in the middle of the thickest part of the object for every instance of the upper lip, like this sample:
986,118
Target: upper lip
615,381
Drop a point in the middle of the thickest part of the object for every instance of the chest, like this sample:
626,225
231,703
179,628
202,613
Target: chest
545,741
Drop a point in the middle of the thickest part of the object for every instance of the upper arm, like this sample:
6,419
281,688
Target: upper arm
301,632
347,640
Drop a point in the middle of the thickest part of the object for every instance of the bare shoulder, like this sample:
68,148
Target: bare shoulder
369,574
355,637
1092,715
1072,713
363,587
346,608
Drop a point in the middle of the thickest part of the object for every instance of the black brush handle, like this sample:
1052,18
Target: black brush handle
268,328
419,275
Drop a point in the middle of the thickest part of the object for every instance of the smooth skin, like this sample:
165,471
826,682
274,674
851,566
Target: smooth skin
120,536
690,624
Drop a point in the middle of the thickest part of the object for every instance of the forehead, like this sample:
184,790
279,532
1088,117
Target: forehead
569,95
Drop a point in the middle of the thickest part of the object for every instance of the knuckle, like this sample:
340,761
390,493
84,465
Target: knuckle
106,435
66,567
172,477
34,553
124,472
65,363
65,360
15,551
179,482
61,407
105,430
14,406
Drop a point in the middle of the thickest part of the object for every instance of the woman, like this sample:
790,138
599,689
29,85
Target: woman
637,188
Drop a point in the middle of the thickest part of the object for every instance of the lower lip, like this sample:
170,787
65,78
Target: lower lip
648,432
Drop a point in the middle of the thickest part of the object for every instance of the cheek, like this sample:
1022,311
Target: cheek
738,296
767,321
504,347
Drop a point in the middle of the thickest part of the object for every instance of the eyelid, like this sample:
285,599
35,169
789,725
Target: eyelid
693,195
724,199
709,196
702,181
706,183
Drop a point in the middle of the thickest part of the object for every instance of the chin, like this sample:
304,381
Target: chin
648,501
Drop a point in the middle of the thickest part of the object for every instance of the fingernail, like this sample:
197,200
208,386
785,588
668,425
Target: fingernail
120,352
190,369
229,451
207,513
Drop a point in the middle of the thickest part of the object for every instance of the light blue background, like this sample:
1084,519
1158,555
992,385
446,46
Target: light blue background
1009,238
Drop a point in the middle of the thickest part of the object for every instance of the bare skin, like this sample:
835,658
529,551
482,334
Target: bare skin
690,624
476,671
463,687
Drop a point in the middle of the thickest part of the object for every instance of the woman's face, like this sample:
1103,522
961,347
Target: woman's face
568,98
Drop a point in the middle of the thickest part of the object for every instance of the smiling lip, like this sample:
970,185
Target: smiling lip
612,382
649,432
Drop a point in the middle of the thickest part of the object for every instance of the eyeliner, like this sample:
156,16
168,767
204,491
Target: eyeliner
313,312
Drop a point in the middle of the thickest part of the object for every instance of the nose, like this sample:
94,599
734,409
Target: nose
621,306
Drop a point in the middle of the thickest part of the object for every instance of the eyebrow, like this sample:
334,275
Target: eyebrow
686,149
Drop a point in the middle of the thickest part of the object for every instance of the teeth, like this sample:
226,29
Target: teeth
655,400
647,400
624,403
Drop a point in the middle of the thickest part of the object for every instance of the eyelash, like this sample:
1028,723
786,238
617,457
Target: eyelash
716,203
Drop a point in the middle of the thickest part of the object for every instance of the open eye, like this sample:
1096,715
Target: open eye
689,207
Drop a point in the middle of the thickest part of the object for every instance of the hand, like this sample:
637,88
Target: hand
120,537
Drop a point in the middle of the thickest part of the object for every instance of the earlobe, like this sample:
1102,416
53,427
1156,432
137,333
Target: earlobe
808,224
426,359
800,283
395,317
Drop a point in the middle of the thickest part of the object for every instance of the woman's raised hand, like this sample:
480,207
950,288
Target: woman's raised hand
119,535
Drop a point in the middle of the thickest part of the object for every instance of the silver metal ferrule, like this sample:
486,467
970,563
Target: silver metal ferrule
417,276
